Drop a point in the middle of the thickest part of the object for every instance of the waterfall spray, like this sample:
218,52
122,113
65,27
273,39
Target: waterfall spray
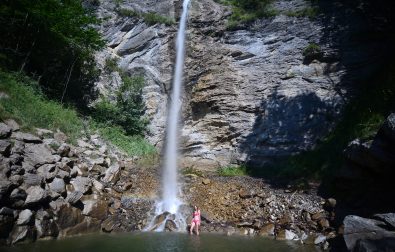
170,203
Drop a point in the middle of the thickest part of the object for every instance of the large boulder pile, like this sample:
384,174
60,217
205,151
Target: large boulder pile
50,188
249,206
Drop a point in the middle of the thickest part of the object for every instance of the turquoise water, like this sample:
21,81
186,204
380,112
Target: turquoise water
158,242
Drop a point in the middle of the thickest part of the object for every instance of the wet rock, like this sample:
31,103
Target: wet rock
324,223
5,131
383,244
267,230
38,154
74,197
109,224
96,208
112,174
46,228
286,235
21,234
68,216
35,194
170,225
318,216
58,185
5,148
25,217
82,184
88,225
362,229
26,137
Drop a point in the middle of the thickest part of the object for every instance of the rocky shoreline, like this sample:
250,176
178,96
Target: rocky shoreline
52,189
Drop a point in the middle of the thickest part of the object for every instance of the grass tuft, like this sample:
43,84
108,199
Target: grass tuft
232,171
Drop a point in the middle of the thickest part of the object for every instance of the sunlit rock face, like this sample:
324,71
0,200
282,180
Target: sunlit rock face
250,95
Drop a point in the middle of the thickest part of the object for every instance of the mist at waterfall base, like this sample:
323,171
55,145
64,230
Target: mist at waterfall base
170,202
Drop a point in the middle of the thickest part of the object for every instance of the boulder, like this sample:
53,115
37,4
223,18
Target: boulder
88,225
96,208
286,234
58,185
33,179
6,225
19,147
46,228
5,148
267,230
25,217
362,229
64,150
170,225
112,174
82,184
48,171
60,137
108,225
38,154
388,218
5,131
26,137
18,194
97,185
44,133
68,216
21,234
35,194
12,124
74,197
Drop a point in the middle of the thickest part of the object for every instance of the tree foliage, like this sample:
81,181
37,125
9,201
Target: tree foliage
53,41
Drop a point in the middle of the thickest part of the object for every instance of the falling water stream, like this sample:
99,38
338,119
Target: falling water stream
170,202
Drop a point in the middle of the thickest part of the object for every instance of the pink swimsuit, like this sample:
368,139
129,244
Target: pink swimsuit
196,218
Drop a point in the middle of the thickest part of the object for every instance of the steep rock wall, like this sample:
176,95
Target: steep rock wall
250,94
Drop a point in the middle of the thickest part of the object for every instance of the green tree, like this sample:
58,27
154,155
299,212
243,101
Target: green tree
53,41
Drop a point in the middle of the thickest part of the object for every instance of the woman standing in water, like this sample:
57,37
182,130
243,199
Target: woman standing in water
195,220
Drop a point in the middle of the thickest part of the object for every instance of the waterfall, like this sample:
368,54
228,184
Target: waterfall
169,204
170,188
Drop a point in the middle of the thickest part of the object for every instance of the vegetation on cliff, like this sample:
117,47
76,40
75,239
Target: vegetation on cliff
53,42
22,100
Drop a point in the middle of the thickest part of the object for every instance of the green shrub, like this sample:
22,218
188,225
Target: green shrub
127,111
232,171
131,145
111,65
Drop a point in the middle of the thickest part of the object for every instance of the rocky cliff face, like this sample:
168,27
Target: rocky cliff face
250,94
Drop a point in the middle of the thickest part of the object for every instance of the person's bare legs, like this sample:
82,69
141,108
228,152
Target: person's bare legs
192,226
197,228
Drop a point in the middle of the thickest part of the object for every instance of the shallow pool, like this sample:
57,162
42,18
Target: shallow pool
159,242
